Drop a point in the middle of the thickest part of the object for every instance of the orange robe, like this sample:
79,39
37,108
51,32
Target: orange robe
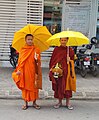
71,77
26,65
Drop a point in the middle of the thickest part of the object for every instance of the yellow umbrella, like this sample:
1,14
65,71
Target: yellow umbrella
40,33
75,38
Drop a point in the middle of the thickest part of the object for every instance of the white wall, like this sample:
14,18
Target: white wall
93,19
80,16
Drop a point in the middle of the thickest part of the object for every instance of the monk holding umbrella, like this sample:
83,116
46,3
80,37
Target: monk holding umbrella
62,73
30,41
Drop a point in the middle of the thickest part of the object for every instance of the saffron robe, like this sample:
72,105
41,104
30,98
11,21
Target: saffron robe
71,77
59,55
27,66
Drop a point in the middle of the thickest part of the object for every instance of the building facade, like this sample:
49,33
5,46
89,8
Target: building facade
14,14
57,15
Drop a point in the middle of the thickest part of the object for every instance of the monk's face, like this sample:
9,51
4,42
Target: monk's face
63,41
29,40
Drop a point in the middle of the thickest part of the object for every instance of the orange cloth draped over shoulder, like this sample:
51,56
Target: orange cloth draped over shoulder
27,66
71,77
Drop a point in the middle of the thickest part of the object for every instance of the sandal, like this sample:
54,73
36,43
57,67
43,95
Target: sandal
70,107
24,107
36,106
57,105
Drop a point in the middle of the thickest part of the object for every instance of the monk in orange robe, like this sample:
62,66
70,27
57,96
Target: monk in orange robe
27,72
59,56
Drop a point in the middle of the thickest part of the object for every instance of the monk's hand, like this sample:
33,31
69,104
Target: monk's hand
18,72
52,67
36,56
68,59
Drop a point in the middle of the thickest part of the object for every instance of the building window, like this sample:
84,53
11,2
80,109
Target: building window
53,15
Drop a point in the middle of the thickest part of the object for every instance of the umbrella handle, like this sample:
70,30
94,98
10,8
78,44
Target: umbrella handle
68,58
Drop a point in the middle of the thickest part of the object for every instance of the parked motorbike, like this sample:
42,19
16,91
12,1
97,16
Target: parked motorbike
82,62
94,57
88,60
94,63
13,56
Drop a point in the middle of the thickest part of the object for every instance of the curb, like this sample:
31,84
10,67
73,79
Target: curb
50,95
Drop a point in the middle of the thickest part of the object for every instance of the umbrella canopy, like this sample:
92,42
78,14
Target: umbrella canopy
75,38
40,33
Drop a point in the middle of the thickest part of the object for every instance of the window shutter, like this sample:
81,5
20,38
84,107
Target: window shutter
14,14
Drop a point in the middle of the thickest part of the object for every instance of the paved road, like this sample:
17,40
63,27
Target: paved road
83,110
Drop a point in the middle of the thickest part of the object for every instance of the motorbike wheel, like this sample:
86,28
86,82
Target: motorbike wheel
13,62
95,72
77,70
83,71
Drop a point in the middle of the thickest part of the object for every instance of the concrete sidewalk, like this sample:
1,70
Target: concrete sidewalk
87,88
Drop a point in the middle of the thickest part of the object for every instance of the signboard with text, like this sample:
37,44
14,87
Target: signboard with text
76,16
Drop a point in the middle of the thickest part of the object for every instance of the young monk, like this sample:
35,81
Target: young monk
59,84
27,72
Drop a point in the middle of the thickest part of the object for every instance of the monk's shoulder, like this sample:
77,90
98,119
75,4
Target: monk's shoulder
56,48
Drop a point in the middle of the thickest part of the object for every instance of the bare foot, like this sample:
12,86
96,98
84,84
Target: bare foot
36,106
58,105
24,107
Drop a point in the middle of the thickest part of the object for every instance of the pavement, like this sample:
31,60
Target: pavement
87,88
